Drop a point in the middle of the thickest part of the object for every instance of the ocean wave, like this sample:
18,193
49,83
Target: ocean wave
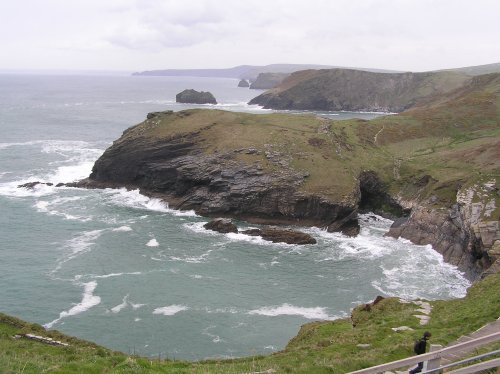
122,229
153,243
291,310
134,199
405,280
78,246
88,301
119,307
170,310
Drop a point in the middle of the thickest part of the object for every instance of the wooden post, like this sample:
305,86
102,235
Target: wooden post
435,363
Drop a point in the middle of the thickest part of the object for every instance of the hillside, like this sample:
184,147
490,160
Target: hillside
249,72
478,70
339,346
440,161
355,90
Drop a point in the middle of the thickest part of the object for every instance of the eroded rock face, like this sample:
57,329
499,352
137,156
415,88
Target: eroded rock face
215,184
195,97
465,234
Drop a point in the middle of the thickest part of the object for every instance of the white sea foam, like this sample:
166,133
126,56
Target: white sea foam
77,246
122,229
290,310
136,306
111,275
89,300
119,307
44,206
170,310
134,199
405,280
153,243
215,338
193,259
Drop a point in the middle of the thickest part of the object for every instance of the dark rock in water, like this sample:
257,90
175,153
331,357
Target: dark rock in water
252,232
221,225
29,185
276,235
243,83
351,228
32,185
195,97
60,184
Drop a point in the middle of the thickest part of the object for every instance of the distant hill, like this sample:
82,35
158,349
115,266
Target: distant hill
249,72
355,90
477,70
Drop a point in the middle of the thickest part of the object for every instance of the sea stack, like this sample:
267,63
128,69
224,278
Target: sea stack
243,83
191,96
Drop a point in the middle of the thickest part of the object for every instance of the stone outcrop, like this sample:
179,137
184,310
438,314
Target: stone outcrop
222,225
243,83
195,97
465,234
213,184
277,235
355,90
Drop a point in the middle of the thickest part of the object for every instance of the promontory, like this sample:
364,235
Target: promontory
435,167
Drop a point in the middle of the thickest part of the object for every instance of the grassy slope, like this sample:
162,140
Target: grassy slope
320,347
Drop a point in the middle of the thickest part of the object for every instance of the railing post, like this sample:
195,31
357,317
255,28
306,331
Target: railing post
434,363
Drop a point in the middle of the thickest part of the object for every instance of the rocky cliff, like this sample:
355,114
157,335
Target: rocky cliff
440,162
174,164
355,90
467,234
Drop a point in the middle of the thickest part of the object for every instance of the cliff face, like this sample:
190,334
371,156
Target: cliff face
178,169
467,234
355,90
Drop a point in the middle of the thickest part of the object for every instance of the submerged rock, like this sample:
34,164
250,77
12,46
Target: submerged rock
194,97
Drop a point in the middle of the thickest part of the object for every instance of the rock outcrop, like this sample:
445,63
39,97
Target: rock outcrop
195,97
355,90
277,235
222,225
243,83
178,169
467,235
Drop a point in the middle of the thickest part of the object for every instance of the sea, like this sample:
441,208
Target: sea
125,271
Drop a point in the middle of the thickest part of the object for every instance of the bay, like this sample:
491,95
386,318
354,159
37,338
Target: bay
125,271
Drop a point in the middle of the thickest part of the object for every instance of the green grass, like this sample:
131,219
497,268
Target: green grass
319,347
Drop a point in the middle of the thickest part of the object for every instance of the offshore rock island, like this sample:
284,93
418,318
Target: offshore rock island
436,165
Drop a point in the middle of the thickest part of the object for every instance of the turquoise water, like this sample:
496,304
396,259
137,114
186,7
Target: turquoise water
125,271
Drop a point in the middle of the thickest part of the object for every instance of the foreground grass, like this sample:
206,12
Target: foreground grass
319,347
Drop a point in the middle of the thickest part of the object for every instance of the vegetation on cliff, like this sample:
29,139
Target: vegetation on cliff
319,347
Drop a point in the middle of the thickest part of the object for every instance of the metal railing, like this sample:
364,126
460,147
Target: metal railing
434,358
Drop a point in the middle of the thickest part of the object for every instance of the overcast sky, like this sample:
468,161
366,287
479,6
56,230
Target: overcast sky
136,35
